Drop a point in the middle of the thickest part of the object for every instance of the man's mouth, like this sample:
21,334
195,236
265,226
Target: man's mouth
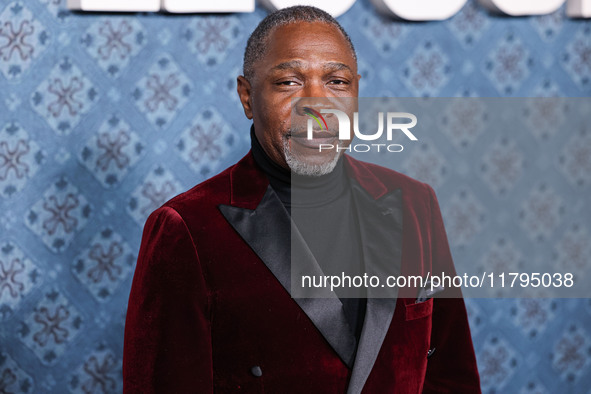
315,134
318,137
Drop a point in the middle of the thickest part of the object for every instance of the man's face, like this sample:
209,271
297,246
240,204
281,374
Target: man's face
302,60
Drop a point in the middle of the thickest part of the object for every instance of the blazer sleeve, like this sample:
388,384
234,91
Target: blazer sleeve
452,366
167,346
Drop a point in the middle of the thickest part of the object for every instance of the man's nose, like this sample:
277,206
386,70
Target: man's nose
304,104
314,89
314,96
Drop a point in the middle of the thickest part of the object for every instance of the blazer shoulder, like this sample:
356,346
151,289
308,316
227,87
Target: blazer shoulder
211,192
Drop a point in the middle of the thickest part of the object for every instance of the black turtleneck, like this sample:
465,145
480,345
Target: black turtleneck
324,212
299,190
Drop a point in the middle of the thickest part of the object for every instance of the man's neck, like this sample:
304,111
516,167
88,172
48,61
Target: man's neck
299,190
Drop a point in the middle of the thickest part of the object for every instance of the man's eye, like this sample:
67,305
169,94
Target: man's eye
287,83
338,82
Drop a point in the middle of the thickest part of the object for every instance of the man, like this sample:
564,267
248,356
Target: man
210,307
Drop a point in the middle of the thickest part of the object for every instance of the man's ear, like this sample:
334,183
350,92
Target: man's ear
357,82
244,92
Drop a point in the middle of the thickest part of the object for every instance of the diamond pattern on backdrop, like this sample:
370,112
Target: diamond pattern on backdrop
104,264
24,39
112,152
59,215
20,158
163,92
64,97
113,43
51,327
18,276
103,117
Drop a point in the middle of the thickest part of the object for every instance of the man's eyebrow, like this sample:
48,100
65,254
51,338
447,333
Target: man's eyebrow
287,65
336,66
296,64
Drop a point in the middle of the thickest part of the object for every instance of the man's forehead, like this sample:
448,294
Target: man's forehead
290,43
306,34
304,26
303,64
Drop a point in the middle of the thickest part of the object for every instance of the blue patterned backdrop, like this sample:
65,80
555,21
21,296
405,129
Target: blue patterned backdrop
104,117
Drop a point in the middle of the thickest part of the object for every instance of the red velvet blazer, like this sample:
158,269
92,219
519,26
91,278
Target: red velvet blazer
209,310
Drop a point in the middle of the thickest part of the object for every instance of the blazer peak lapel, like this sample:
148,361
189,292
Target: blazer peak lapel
270,232
380,224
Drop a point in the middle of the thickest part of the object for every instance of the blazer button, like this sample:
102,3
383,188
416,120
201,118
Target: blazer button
256,371
430,352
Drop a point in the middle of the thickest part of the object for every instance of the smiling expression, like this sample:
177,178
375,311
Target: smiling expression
303,60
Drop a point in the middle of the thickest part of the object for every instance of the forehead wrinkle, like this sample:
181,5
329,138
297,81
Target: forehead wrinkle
296,64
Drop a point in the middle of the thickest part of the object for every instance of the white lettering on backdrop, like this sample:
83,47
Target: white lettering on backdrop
412,10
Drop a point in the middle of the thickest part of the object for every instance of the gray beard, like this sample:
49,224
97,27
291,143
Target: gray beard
301,167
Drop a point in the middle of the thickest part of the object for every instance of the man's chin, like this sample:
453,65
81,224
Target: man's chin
313,158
